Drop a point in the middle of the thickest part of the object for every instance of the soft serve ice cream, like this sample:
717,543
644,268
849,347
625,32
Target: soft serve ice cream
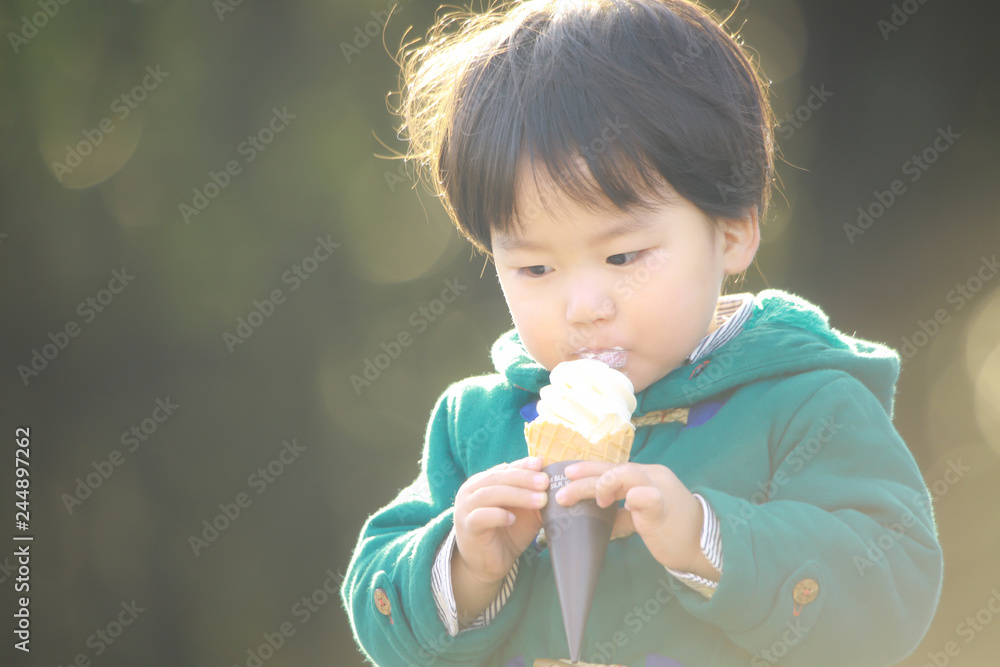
588,396
584,414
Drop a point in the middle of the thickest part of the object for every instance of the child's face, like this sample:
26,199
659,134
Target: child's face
637,290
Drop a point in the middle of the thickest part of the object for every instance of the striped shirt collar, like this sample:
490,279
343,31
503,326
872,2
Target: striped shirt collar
730,315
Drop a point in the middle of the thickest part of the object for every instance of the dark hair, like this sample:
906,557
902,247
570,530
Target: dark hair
644,91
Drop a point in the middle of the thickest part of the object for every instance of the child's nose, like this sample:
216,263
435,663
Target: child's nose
589,301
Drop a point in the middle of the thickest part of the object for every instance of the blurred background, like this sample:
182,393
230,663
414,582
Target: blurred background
200,247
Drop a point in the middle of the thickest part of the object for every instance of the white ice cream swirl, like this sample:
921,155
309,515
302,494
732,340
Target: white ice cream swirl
588,396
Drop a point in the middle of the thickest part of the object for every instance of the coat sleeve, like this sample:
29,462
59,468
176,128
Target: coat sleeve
840,562
387,590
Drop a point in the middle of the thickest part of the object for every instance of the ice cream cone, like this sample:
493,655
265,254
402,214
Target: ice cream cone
584,415
578,538
557,442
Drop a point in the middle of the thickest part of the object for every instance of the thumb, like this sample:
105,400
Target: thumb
646,500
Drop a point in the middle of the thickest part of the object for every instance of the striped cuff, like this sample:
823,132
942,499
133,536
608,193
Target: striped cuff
711,546
444,593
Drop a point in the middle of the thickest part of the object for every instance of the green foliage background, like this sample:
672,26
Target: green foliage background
162,336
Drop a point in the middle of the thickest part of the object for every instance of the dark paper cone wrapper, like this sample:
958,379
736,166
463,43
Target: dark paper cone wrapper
578,539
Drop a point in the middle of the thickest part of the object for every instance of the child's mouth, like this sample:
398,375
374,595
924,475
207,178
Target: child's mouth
615,357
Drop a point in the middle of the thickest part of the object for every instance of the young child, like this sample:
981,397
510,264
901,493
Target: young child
613,159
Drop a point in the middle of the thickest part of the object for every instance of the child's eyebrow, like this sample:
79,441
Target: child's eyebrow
628,224
622,226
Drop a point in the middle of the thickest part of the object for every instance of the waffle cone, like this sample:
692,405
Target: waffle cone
556,442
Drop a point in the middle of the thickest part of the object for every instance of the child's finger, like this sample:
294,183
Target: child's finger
576,491
507,496
528,462
587,469
646,500
583,478
508,475
616,483
484,519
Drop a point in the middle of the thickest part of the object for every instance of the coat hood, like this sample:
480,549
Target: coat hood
784,335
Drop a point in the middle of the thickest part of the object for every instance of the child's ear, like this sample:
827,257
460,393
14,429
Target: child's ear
742,238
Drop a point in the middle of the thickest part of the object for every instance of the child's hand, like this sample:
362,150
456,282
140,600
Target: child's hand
496,518
657,506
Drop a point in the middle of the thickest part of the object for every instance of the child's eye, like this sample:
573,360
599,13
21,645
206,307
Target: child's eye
623,258
535,271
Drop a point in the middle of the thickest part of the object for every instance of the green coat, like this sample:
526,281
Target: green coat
812,485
